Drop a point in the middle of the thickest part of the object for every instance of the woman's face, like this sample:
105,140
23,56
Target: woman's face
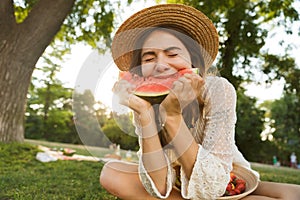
163,54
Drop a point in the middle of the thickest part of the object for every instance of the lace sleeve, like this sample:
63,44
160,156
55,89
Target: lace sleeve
212,168
148,183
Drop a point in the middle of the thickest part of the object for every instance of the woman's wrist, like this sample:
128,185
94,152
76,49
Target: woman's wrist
166,117
172,119
172,123
147,123
147,117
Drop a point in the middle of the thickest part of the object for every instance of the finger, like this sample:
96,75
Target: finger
193,77
186,82
118,86
177,86
123,85
197,81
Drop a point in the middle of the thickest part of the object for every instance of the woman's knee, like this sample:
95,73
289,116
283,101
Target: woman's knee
295,191
106,176
277,191
115,176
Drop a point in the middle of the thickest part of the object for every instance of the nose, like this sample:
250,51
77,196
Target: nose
161,67
161,64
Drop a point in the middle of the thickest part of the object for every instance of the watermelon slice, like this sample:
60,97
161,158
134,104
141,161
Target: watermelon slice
154,89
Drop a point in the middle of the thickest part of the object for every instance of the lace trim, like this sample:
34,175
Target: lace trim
208,179
150,186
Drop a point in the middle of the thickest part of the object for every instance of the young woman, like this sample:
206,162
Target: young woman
189,136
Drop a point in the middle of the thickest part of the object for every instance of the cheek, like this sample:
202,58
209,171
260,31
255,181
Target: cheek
184,62
147,69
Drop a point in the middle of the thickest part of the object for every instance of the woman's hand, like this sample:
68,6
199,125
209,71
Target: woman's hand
124,90
184,91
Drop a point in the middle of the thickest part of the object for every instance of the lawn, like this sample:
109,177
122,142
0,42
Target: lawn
22,177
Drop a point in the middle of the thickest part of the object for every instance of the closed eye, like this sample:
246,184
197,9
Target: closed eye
148,56
148,60
172,51
173,55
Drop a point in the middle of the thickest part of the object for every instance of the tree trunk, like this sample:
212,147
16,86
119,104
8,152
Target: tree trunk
21,45
14,81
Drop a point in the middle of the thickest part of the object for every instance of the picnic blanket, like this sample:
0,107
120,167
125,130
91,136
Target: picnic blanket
49,155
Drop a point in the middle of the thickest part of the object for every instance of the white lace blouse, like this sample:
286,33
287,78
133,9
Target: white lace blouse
214,132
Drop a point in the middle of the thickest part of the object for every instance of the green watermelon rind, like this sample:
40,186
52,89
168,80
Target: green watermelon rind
154,99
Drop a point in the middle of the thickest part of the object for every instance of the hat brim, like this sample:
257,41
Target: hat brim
186,18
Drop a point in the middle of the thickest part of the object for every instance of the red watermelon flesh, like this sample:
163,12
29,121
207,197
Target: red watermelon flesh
154,89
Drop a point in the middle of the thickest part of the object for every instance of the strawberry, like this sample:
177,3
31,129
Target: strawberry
231,193
241,187
237,191
235,186
229,187
240,181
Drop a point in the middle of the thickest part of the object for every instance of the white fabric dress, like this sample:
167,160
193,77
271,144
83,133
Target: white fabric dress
214,133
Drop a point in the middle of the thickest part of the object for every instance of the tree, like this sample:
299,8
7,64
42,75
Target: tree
286,120
250,121
49,107
120,130
283,68
27,28
87,120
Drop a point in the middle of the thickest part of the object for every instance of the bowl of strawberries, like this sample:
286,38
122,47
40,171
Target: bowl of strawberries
242,182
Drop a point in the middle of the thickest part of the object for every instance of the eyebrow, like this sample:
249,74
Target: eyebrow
150,52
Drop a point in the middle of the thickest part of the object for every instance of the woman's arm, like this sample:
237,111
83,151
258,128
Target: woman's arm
153,157
153,165
213,164
185,90
184,143
205,167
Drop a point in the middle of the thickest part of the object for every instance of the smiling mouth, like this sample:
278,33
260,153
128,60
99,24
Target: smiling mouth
161,76
167,75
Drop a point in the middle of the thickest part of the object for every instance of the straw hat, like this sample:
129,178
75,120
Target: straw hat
185,18
247,175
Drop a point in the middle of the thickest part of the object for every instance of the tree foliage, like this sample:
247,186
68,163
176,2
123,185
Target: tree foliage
96,127
286,123
243,27
283,68
250,123
49,108
86,123
121,131
90,21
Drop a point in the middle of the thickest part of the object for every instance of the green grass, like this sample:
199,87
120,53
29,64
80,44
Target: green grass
277,174
22,177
